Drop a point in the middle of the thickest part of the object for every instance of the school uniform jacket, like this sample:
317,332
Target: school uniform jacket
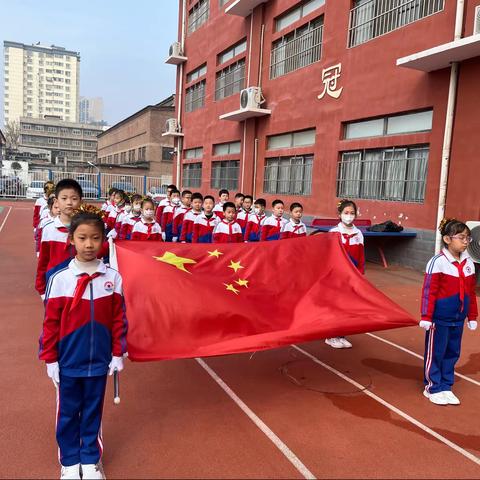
167,220
187,226
38,233
271,228
203,228
293,230
106,205
85,321
218,210
448,294
243,217
39,204
161,206
114,213
178,217
127,226
253,229
225,232
147,231
352,241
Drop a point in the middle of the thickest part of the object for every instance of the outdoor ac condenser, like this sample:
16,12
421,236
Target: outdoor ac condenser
171,126
251,97
175,50
474,247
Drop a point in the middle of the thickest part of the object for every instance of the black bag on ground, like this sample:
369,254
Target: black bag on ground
387,226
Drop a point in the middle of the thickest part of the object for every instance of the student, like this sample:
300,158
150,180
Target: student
147,228
190,217
228,230
245,212
448,299
167,216
55,249
133,217
255,222
41,203
273,225
223,196
53,211
294,228
127,209
352,241
205,222
239,198
180,212
110,201
83,339
163,203
116,209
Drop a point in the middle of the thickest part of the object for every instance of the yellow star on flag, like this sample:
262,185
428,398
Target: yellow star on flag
215,254
235,266
231,288
178,262
242,283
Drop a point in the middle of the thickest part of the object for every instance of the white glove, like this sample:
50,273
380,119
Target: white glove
472,324
53,371
115,364
42,296
164,236
175,239
112,234
425,324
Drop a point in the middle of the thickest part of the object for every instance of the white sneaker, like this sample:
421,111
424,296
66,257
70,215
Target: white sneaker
345,342
334,342
452,399
436,398
93,472
70,473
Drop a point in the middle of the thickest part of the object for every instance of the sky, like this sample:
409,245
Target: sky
123,46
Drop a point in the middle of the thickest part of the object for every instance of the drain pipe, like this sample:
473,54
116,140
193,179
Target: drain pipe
180,95
448,134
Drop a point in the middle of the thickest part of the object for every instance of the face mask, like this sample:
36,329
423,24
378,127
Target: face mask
347,219
256,210
176,201
137,208
128,208
148,213
120,205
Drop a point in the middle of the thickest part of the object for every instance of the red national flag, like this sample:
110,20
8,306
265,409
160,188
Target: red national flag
197,300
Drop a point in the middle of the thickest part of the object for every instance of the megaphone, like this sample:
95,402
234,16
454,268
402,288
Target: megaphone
474,247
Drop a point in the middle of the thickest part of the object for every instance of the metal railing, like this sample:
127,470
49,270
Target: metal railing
195,97
230,80
289,176
192,175
198,15
373,18
225,174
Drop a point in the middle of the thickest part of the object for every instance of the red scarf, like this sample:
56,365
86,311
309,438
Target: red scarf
82,283
461,279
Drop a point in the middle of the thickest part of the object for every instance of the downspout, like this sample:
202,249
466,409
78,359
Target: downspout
448,134
180,94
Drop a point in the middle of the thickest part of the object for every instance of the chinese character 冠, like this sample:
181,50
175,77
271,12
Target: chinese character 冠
330,77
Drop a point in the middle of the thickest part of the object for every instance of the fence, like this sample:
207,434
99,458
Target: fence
21,184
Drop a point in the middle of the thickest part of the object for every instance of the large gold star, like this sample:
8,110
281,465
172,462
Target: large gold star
215,254
178,262
235,266
231,288
242,283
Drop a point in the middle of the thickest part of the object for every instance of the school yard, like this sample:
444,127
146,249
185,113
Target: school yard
302,412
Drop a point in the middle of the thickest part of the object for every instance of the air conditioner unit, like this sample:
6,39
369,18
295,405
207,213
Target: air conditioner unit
251,97
171,126
175,50
474,247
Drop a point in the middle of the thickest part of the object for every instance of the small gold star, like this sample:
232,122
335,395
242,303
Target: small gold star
215,254
231,288
242,283
174,260
235,266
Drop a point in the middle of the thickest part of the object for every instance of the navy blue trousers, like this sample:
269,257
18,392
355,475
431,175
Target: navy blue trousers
79,419
442,351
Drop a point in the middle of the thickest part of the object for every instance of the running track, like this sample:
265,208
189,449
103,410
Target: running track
288,413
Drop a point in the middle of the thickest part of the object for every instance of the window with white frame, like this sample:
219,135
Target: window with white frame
231,148
288,175
195,96
192,175
191,153
225,174
297,49
232,52
302,138
230,80
392,174
197,73
300,11
198,15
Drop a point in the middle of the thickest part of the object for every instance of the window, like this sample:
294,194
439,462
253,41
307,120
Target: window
195,96
296,14
115,158
297,49
75,131
26,126
131,156
288,175
192,175
232,52
52,129
197,73
123,157
167,154
225,174
39,128
52,141
394,125
230,80
392,174
194,153
198,15
76,143
303,138
226,148
372,18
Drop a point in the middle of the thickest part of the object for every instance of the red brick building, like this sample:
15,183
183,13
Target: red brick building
356,105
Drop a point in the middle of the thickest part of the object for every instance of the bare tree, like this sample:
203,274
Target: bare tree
12,135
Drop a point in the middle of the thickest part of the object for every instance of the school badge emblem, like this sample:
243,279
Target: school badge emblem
108,286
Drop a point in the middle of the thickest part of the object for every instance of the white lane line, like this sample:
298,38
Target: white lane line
406,350
291,457
391,407
5,219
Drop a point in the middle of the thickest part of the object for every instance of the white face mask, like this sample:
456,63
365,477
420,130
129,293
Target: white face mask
137,208
347,219
148,213
256,210
128,208
176,201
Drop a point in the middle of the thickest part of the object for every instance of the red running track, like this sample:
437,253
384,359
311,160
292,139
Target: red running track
177,421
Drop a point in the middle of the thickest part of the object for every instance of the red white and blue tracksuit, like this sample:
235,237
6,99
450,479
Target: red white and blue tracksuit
271,228
161,206
146,231
187,226
106,206
127,226
218,210
243,217
38,233
40,204
227,232
293,230
114,214
254,227
178,217
85,324
352,241
203,228
167,221
448,298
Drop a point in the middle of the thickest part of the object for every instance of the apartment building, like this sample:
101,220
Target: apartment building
91,110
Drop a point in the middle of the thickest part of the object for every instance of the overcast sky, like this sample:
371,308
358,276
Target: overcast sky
123,45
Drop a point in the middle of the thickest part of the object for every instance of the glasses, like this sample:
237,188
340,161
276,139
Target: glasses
463,238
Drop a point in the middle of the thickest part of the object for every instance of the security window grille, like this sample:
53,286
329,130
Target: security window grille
195,97
192,175
297,49
197,73
288,175
230,80
372,18
225,174
198,15
393,174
